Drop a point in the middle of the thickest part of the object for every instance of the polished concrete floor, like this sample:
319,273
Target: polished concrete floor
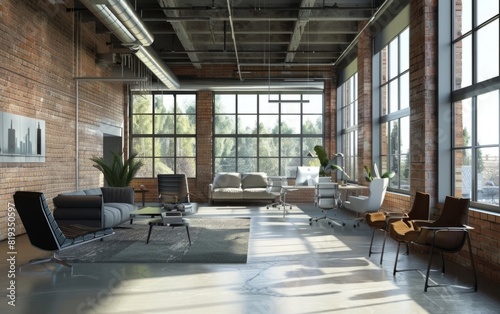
292,267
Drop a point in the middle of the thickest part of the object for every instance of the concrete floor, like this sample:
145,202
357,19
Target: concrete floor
292,267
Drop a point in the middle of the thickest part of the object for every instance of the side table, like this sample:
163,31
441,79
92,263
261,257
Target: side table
143,192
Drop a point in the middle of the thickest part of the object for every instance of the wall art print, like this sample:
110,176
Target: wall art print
22,139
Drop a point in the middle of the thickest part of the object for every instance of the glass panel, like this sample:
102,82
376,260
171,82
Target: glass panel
224,146
186,124
394,142
393,58
290,147
404,141
487,176
289,167
164,146
143,146
187,166
269,147
266,107
164,166
463,123
487,51
315,105
225,124
486,9
142,103
463,17
290,124
225,103
384,70
247,103
384,99
186,103
247,124
269,124
224,165
404,175
247,164
142,124
290,108
308,144
164,124
146,171
186,147
463,173
487,116
404,45
164,104
463,62
405,91
247,147
384,140
393,96
269,166
312,124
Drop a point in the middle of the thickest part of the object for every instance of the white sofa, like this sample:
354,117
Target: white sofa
235,186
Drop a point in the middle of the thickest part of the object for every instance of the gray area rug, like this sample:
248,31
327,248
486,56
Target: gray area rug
214,240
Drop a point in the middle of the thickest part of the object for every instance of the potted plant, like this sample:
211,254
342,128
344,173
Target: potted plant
118,173
369,177
326,165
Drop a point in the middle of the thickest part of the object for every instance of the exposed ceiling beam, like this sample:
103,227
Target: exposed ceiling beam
180,30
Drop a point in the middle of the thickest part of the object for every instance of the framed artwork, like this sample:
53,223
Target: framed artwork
22,139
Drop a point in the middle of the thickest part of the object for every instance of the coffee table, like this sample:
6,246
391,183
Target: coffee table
154,211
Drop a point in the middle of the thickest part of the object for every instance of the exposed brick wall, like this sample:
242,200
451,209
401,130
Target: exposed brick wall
36,80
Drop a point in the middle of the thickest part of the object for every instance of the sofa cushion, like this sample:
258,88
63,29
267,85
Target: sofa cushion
227,180
257,194
116,213
227,193
253,180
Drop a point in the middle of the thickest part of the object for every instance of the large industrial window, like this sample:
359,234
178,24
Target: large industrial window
394,61
349,125
163,133
476,101
252,132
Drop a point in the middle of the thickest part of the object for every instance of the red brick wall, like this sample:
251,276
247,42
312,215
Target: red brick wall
37,67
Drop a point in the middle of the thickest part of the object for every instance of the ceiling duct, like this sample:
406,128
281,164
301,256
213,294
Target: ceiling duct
120,18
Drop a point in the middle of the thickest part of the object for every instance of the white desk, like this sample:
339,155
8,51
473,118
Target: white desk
292,188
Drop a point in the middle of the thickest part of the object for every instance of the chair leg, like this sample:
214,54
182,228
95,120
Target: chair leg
52,259
429,267
149,233
371,244
189,237
383,247
396,262
472,262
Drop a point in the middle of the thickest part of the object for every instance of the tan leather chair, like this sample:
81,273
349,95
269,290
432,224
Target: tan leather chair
380,220
447,234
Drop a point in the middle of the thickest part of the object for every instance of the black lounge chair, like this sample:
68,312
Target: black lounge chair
44,232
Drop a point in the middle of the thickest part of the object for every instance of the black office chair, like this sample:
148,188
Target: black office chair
44,232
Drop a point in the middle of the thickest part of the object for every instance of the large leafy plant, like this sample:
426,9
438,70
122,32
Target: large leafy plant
118,173
327,165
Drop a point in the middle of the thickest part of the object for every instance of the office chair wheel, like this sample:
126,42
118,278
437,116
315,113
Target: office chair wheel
267,206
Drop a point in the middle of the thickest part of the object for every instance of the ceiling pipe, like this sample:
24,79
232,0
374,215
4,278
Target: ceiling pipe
234,39
120,18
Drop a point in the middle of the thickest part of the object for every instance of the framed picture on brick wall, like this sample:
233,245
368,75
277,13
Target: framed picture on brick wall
22,139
